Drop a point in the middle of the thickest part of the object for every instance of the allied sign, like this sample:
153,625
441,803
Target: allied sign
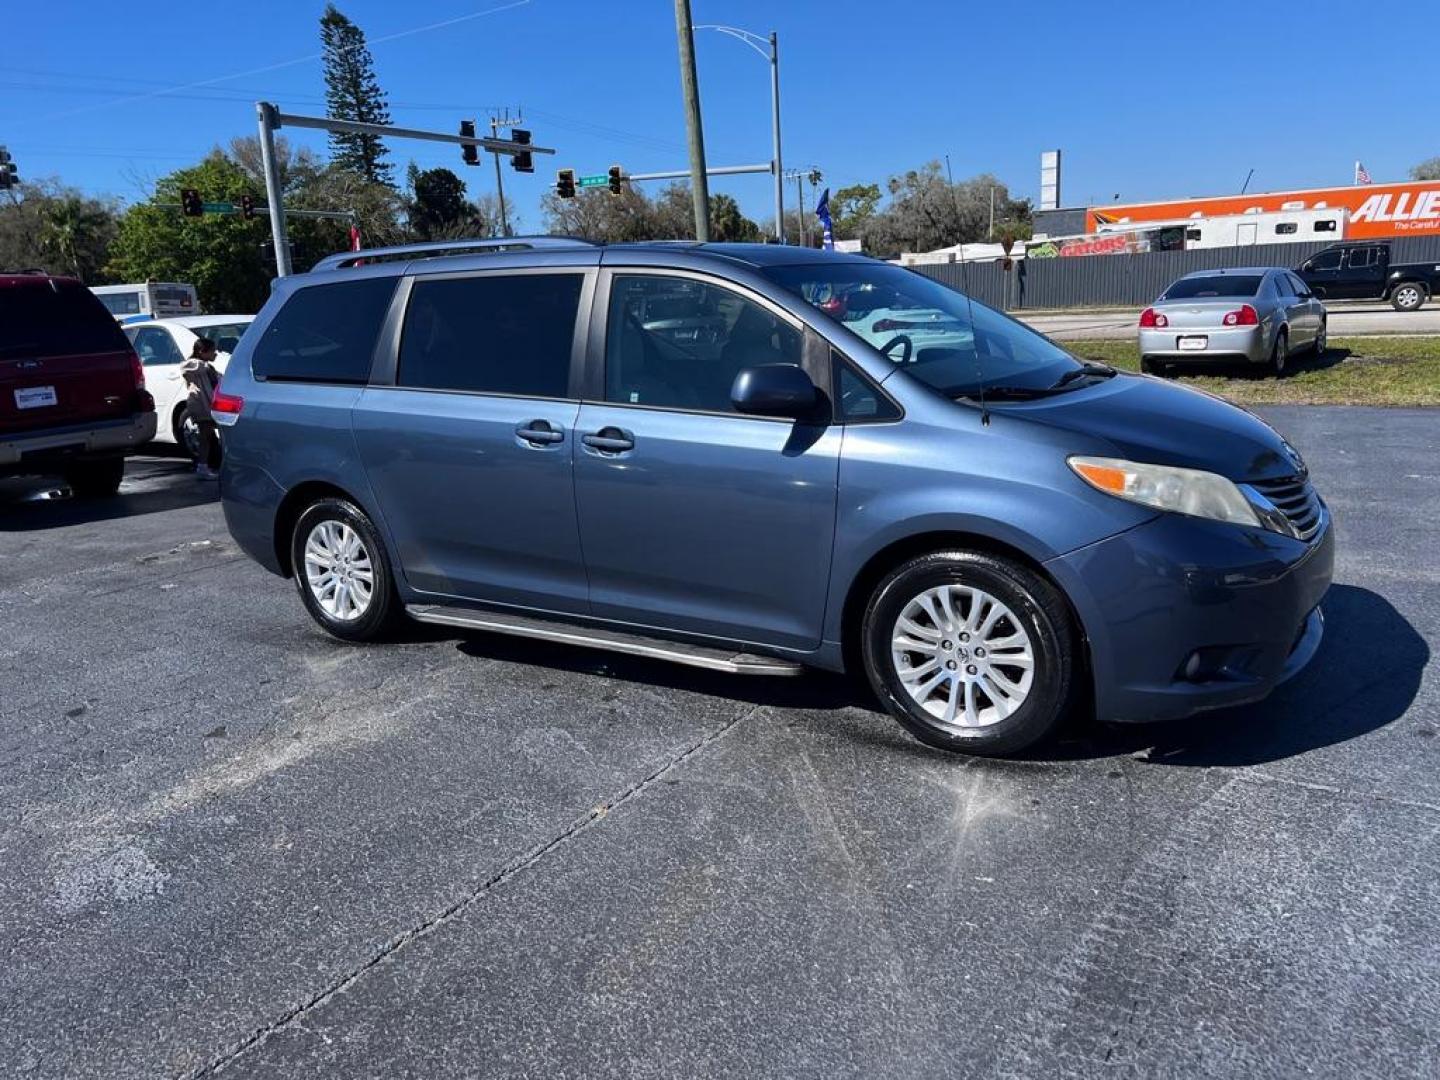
1375,211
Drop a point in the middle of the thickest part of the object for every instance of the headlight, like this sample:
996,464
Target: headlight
1182,491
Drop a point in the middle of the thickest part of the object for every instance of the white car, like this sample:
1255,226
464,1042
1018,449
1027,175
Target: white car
164,345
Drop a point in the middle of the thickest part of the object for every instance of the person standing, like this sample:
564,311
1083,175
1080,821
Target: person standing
201,377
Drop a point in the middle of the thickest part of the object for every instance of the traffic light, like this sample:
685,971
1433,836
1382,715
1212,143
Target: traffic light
247,206
8,172
565,183
523,161
191,205
615,178
469,153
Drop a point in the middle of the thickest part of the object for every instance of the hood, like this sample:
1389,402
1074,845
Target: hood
1148,419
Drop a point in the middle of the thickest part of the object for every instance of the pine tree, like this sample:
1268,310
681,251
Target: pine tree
352,92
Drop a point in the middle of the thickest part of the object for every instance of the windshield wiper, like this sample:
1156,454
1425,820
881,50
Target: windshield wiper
1004,393
1100,371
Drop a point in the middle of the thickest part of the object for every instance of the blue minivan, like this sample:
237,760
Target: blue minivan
757,458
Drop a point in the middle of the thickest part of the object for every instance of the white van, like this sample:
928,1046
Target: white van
149,300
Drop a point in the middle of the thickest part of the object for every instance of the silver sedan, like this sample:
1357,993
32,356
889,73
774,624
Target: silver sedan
1258,314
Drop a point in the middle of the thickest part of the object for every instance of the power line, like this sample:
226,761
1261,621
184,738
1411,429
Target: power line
309,58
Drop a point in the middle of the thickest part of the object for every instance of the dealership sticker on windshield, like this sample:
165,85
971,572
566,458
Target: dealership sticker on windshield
1193,344
33,397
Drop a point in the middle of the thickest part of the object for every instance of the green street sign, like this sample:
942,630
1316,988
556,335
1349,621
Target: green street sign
219,208
593,181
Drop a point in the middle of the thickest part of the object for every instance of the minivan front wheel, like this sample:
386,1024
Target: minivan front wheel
342,571
970,652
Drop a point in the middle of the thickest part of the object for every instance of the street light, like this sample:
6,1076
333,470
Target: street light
769,48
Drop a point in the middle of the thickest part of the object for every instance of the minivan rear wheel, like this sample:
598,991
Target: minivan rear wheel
970,652
342,571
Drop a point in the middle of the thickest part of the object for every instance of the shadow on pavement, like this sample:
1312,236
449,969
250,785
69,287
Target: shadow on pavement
153,483
1364,677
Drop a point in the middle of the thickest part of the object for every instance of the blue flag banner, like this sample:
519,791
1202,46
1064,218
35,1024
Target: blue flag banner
822,211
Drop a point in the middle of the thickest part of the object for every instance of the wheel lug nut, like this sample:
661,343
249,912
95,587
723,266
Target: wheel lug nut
979,651
964,637
971,669
944,644
951,665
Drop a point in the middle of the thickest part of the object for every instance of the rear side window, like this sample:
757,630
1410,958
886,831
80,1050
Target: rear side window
493,334
324,333
60,318
1326,260
1360,258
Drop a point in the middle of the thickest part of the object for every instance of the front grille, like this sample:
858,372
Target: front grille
1297,500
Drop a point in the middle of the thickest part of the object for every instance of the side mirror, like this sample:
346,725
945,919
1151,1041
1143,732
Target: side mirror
774,390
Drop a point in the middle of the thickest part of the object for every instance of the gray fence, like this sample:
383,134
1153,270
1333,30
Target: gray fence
1128,280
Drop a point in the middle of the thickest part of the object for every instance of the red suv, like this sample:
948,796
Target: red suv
72,391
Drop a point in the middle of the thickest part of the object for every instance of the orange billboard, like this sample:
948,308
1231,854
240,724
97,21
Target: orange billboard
1376,210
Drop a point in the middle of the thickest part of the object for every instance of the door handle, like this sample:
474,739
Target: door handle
539,433
609,440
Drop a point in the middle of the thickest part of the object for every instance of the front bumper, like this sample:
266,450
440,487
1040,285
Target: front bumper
1182,614
1227,344
38,450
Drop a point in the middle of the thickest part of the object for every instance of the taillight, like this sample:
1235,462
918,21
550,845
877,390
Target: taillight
1246,316
137,369
1150,319
225,408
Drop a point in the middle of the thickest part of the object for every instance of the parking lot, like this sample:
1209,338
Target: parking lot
234,844
1352,318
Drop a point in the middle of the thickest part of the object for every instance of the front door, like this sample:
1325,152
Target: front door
694,517
470,451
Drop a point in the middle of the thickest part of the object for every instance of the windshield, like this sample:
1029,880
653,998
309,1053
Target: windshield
1214,285
121,303
956,346
225,335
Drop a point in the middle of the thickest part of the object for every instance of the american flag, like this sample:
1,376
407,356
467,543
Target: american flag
1361,176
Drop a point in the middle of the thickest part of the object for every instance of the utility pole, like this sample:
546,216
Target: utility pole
992,213
690,88
800,206
269,121
496,123
775,130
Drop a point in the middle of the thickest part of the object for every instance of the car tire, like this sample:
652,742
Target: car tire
1407,296
949,606
342,571
1321,340
98,479
1151,366
1279,353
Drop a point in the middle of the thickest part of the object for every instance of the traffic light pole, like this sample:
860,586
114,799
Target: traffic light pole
272,118
268,115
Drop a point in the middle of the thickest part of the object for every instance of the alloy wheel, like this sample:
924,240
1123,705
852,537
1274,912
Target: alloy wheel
339,571
962,656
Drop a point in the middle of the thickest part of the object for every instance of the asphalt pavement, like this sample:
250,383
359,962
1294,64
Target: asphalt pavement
231,844
1347,319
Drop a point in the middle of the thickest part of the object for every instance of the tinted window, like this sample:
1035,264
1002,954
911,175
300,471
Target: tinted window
1282,285
498,334
1192,234
678,343
155,346
1213,285
325,333
56,319
1360,258
952,344
226,336
859,399
1326,260
1286,228
1299,286
1324,226
125,303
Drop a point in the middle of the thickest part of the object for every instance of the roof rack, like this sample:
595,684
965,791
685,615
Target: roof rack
441,248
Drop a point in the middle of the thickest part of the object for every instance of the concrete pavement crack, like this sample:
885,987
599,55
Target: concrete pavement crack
516,866
1256,776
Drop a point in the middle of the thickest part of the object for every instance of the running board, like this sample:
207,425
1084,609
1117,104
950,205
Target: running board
701,656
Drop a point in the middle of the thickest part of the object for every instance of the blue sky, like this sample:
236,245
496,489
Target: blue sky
1148,100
